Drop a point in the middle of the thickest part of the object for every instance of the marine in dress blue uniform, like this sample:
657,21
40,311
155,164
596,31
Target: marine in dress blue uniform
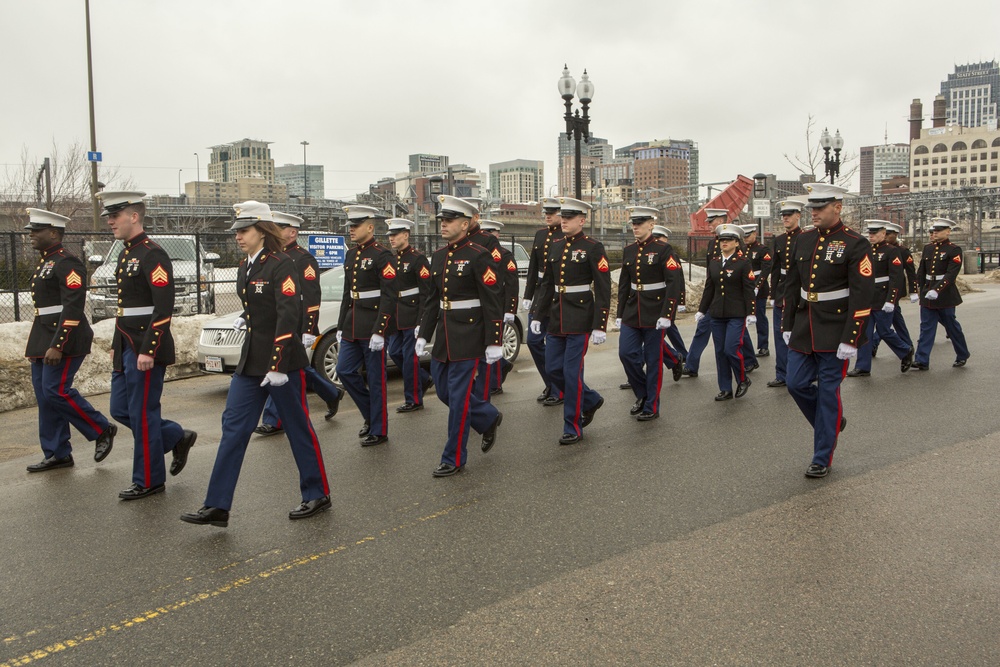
648,295
490,379
307,274
463,312
888,268
907,285
59,341
367,319
729,300
143,347
272,363
674,350
576,296
413,278
940,264
761,261
828,294
781,252
536,271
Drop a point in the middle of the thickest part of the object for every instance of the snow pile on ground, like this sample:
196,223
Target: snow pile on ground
94,376
964,286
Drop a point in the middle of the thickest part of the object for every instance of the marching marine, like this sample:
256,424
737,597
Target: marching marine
544,238
781,252
940,264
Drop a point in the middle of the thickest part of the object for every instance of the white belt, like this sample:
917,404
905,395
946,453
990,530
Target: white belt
883,279
370,294
461,305
783,272
825,296
648,287
541,274
940,277
572,288
48,310
410,292
131,312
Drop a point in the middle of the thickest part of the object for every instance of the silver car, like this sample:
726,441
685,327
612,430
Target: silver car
220,345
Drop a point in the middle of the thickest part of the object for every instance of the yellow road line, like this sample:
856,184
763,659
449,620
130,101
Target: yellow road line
154,614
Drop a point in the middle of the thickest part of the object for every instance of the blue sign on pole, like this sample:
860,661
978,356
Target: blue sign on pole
93,156
329,251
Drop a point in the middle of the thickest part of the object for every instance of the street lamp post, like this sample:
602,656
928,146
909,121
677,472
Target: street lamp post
577,126
435,185
836,142
179,172
305,174
197,178
93,131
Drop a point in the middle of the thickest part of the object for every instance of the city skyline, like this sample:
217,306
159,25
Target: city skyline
188,85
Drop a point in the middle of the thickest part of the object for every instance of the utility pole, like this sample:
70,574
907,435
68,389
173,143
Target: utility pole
93,130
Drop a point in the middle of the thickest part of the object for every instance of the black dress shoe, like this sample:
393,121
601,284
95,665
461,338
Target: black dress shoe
816,470
647,416
51,463
678,371
427,384
310,508
686,372
637,406
410,407
494,392
741,388
763,352
843,424
105,441
570,439
552,400
776,383
724,396
588,415
207,516
542,396
907,361
874,351
365,430
371,440
917,366
625,385
446,470
959,363
267,429
858,373
504,372
135,492
751,369
333,406
490,435
181,451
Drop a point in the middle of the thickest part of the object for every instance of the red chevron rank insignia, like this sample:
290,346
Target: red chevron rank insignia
159,276
424,273
489,277
388,271
751,275
496,255
865,267
767,257
672,264
288,287
957,259
73,280
896,262
602,265
511,266
309,273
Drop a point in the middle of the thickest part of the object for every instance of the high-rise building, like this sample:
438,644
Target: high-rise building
944,158
972,94
594,147
246,158
666,164
517,181
567,174
424,163
294,175
879,163
207,193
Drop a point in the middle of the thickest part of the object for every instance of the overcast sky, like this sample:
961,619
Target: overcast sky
367,83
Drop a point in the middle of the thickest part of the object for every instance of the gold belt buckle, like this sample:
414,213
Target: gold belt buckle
36,312
561,289
813,296
445,305
638,288
119,312
354,295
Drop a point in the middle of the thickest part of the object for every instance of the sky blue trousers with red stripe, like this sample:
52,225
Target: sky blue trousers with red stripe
371,399
641,353
243,407
60,405
564,364
135,403
401,347
454,382
814,380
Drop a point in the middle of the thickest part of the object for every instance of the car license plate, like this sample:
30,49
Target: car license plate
213,364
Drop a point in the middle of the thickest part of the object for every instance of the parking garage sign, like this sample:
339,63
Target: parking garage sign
329,251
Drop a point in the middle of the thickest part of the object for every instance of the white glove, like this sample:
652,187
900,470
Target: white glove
845,351
698,316
787,336
751,319
493,353
419,346
914,298
340,337
536,327
663,323
508,318
756,290
416,331
274,378
682,309
526,304
239,323
770,302
376,343
308,339
888,307
597,337
618,322
931,295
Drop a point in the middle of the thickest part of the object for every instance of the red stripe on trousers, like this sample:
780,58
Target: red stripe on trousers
840,412
461,424
65,396
739,352
579,389
659,382
312,433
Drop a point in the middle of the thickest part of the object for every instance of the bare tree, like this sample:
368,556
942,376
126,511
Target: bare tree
812,163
